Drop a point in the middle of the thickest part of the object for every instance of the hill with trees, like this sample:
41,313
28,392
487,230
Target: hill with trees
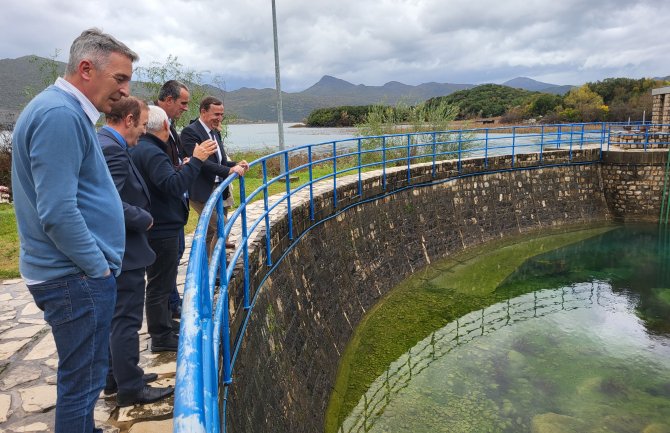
612,99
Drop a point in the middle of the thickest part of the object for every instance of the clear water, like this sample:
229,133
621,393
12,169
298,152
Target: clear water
577,340
265,136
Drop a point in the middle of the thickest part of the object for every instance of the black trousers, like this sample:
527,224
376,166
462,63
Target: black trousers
161,279
124,343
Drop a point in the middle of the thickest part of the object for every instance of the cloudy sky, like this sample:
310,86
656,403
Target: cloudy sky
364,41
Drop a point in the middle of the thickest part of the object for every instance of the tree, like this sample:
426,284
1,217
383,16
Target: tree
151,78
544,103
49,70
487,100
386,120
583,104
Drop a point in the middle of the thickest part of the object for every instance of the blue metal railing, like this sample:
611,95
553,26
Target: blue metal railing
207,347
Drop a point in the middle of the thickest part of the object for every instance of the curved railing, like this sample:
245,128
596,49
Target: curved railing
208,347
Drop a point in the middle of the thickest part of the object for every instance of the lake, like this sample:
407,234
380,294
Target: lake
261,136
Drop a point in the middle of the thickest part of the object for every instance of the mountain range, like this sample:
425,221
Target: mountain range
18,75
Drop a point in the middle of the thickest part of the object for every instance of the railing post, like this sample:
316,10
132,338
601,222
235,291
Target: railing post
288,197
559,136
434,152
513,143
210,381
581,143
384,163
570,148
225,340
460,151
360,162
486,148
266,207
219,233
334,175
245,244
311,184
646,138
541,143
409,159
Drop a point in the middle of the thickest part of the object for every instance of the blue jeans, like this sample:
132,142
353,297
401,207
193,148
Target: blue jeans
79,310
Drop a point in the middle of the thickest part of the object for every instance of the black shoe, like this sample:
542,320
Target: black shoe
112,387
145,395
168,345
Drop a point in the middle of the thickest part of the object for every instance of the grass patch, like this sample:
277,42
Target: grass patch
9,243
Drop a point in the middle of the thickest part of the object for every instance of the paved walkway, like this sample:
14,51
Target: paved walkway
28,362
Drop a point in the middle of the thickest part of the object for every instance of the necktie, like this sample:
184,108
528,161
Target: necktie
218,151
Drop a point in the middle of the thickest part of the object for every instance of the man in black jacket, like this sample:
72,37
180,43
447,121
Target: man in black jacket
217,167
167,187
173,97
126,121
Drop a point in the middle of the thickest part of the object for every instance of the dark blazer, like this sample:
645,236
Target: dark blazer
135,200
166,185
204,185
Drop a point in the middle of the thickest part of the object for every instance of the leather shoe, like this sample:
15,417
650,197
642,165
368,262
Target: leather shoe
112,387
230,245
145,395
168,345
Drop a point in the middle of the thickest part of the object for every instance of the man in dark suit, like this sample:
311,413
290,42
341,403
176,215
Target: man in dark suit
217,167
173,98
170,211
126,121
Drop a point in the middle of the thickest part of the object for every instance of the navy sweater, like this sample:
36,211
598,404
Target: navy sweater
167,186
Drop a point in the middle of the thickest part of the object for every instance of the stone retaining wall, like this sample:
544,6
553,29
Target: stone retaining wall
633,183
307,310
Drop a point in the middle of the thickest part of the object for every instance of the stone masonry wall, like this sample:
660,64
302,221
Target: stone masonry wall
307,310
633,184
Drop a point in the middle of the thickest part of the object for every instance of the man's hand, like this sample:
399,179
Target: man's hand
203,150
238,169
244,164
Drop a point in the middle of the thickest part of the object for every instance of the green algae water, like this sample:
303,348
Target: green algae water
562,333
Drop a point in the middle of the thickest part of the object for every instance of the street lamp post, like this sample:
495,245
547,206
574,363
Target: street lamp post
280,110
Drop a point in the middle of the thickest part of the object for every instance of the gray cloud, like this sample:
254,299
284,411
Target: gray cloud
369,42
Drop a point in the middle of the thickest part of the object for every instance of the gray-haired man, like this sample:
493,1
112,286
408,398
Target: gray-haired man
170,212
70,219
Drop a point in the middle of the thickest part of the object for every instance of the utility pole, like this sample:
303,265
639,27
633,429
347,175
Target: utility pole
280,109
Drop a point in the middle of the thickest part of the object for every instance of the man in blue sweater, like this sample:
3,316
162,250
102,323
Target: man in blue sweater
70,218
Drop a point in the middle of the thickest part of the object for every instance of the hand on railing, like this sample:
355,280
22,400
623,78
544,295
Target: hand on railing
238,169
203,150
244,164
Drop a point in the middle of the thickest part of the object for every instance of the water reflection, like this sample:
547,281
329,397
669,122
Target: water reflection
582,342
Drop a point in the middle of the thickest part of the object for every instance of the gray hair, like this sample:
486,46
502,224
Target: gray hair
171,88
96,46
157,119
